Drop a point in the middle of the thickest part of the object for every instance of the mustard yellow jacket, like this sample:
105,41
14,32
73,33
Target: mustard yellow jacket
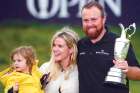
27,83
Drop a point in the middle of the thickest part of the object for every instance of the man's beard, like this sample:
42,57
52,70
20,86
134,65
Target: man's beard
96,34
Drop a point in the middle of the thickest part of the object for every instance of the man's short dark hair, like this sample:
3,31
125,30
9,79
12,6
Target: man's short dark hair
95,4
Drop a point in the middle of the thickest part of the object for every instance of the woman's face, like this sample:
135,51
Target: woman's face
61,51
20,63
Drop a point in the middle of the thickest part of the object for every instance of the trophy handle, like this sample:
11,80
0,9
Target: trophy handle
131,27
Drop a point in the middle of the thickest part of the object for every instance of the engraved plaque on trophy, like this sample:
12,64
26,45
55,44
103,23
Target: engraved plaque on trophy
115,76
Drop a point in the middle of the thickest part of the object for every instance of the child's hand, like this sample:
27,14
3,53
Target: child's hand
16,87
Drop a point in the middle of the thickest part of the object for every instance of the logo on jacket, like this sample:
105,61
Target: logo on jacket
102,52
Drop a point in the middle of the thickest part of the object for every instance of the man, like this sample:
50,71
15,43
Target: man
96,54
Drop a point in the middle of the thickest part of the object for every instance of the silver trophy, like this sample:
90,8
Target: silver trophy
115,76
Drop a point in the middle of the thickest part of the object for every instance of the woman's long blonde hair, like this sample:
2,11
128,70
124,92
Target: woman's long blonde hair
71,38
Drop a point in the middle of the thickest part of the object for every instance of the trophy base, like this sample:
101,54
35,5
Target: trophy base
115,78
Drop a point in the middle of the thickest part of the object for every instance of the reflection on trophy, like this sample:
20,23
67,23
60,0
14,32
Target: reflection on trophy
115,76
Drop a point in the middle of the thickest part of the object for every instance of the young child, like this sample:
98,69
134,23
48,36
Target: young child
23,76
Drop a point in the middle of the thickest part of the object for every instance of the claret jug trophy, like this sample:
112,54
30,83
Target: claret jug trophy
115,76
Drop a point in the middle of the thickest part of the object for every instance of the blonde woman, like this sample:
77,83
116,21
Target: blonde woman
23,76
62,67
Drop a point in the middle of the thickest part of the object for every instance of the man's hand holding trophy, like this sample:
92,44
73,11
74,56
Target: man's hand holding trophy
116,76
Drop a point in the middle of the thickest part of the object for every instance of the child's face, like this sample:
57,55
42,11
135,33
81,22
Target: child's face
20,64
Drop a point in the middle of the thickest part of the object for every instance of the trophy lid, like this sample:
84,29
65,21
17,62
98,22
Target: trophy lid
124,33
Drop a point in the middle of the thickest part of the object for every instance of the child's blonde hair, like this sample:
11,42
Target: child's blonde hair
28,53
